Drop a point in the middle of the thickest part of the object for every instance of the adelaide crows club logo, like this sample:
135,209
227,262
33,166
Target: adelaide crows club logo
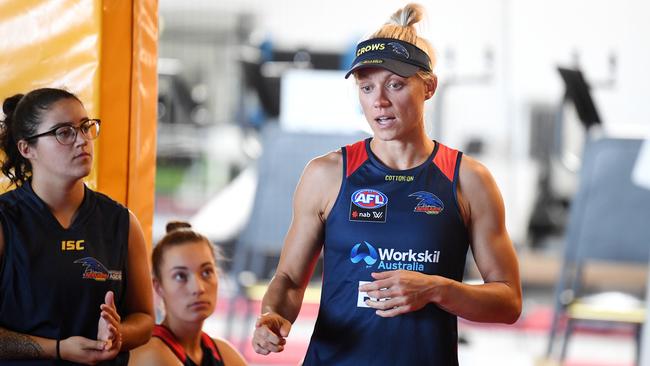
427,203
368,205
95,270
399,49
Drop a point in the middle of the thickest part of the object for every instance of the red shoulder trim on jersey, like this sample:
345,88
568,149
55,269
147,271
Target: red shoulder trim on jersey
445,160
356,155
209,342
168,338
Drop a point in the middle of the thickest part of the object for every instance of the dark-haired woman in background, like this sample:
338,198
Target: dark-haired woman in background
185,277
74,280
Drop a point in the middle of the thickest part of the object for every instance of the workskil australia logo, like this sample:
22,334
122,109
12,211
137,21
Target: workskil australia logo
368,205
368,254
392,259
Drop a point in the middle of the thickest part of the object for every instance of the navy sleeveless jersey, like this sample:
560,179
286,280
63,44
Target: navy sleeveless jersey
384,220
53,279
211,354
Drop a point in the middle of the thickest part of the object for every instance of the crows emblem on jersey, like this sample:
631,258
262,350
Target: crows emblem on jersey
427,203
95,270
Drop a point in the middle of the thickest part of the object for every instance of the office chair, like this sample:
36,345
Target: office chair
609,222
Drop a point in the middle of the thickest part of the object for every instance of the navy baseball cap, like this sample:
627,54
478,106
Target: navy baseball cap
399,57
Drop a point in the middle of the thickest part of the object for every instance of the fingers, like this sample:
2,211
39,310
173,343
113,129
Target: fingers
110,335
382,290
382,280
82,350
382,275
265,341
270,340
270,332
268,335
113,339
109,299
90,344
392,312
384,293
376,285
389,284
384,304
260,350
109,328
109,304
110,314
397,292
275,323
285,328
108,345
390,308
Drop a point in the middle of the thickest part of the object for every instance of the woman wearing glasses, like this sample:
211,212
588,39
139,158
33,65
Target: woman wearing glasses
74,280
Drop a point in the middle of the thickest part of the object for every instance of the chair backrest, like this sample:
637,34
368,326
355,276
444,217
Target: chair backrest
283,159
610,216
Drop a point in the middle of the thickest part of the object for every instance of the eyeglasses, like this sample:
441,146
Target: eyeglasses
67,134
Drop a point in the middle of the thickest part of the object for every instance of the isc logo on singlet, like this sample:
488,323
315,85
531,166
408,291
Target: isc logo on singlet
72,245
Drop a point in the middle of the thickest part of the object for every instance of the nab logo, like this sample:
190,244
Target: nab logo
369,198
72,245
368,205
370,257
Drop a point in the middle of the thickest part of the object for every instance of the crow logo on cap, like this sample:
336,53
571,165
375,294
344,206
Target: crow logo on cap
399,49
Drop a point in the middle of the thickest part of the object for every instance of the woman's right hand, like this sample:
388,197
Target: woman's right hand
86,351
270,334
109,327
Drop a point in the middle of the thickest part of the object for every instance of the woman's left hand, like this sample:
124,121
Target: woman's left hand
399,292
109,327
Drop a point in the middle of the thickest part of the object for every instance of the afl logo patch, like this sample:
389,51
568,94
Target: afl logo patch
368,205
369,199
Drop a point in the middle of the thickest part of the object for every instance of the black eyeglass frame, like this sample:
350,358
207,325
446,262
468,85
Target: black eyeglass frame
75,128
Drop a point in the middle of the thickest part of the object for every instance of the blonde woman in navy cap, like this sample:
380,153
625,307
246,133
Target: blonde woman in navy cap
395,215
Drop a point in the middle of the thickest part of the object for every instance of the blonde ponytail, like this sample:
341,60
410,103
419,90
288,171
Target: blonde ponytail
401,25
